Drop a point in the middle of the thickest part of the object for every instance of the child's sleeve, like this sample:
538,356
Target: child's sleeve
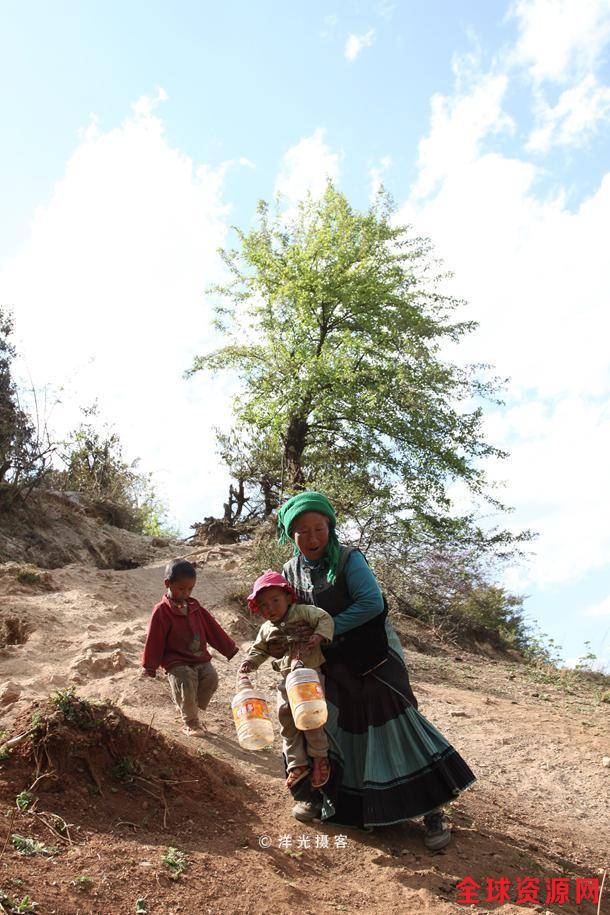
156,634
259,651
217,637
321,621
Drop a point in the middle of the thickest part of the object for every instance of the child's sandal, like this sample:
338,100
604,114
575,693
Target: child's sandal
296,775
321,772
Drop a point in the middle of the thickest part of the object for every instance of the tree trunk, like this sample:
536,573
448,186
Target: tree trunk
269,499
294,446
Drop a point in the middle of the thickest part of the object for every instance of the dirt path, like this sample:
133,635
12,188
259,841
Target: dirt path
540,808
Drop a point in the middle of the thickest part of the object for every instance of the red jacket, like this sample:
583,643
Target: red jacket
177,638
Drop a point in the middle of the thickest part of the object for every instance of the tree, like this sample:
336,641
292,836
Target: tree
336,325
94,466
24,450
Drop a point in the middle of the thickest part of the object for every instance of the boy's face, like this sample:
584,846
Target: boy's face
180,588
273,603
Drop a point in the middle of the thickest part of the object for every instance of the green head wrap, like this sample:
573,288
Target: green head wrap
310,502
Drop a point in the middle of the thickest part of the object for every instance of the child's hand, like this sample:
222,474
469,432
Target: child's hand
314,641
147,672
245,667
277,647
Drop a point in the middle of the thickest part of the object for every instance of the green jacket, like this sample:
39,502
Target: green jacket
320,621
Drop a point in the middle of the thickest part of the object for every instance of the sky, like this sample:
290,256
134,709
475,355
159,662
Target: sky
133,137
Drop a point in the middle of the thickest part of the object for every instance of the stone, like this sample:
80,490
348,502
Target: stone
9,692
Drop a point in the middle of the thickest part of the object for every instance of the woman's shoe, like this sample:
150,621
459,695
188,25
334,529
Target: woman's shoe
306,811
438,831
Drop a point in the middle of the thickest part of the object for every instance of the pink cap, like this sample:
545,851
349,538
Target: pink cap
269,579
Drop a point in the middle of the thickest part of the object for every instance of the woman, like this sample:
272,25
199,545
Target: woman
389,764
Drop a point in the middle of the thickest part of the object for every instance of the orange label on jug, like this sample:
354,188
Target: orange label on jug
303,692
251,708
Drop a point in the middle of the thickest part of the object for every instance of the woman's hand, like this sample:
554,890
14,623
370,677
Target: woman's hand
301,632
314,641
245,667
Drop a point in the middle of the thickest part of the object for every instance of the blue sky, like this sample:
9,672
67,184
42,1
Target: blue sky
132,136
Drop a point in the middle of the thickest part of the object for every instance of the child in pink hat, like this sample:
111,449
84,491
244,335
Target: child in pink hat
274,598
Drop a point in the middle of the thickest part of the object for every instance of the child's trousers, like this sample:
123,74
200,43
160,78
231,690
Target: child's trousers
298,745
192,686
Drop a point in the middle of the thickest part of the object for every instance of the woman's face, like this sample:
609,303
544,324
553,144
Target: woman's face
310,532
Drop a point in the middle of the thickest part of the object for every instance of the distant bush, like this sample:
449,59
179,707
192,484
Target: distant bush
24,449
92,463
451,591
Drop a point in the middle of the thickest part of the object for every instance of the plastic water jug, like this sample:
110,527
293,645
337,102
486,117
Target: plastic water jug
306,698
251,716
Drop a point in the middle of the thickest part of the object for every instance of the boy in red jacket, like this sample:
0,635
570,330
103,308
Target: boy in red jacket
179,632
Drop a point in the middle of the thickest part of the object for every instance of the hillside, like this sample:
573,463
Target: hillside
540,807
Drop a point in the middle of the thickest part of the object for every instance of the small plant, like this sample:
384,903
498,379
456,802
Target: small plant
176,861
5,753
83,882
23,800
76,710
585,663
125,769
37,720
28,578
29,847
141,907
13,907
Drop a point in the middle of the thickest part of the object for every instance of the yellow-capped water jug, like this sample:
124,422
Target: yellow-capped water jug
251,716
306,697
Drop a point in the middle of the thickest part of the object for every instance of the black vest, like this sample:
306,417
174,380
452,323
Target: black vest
362,648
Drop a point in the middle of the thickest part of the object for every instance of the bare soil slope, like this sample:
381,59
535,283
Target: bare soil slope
540,808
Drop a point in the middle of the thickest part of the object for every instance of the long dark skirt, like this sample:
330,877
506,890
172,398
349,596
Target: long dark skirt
388,763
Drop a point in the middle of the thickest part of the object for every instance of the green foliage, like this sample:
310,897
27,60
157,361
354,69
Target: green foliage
29,578
76,710
176,861
337,327
585,664
83,882
125,769
94,465
23,800
24,449
14,907
30,847
141,907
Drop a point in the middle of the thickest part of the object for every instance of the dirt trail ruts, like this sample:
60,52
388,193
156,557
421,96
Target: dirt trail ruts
540,808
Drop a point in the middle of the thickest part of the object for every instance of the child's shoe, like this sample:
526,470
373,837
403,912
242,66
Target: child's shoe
194,729
321,772
296,775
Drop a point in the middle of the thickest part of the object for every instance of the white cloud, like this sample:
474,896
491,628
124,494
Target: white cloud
574,119
600,609
356,43
306,167
536,276
376,174
108,298
458,125
560,38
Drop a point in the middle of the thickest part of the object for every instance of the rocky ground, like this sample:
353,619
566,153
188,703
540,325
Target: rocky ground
107,823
